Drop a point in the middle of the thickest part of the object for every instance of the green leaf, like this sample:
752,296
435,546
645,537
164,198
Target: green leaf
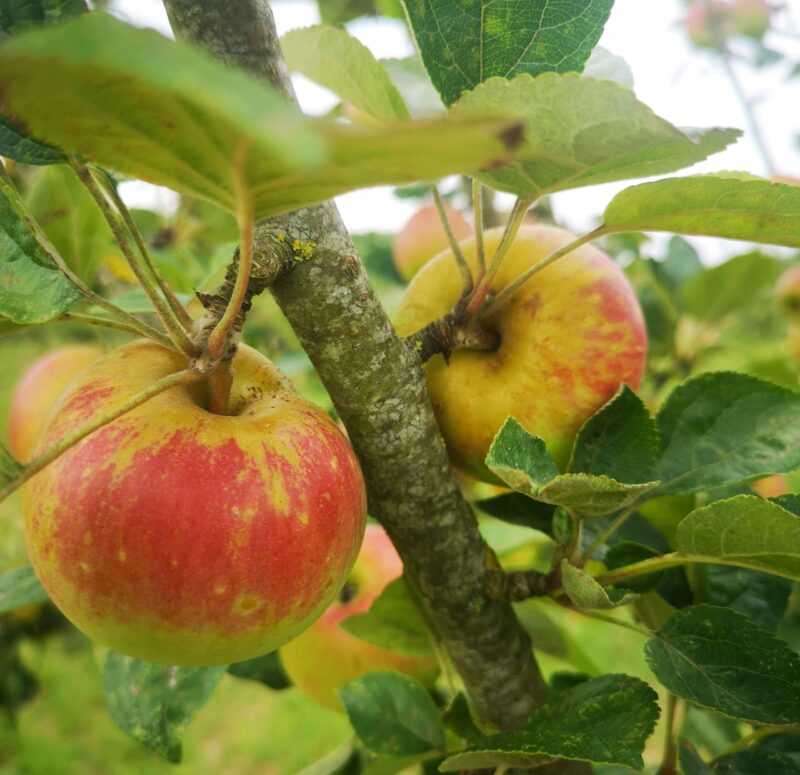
721,205
628,553
411,80
10,467
164,112
458,719
756,761
580,131
155,703
605,66
332,58
20,587
392,714
32,289
724,428
518,509
19,15
463,44
591,496
393,622
266,669
746,531
690,761
761,597
790,502
718,659
620,441
17,145
585,592
604,721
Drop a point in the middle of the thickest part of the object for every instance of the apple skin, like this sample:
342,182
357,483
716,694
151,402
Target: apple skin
37,391
752,18
787,292
325,657
424,236
708,23
568,340
190,538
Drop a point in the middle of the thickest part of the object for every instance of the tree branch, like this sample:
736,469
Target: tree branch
378,388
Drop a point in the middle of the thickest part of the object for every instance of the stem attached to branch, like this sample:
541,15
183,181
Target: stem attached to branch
175,328
458,254
71,439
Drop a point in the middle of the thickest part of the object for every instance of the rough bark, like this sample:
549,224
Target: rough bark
378,388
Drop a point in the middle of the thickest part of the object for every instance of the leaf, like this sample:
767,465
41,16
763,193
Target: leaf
604,721
19,15
756,761
393,622
718,659
724,428
155,703
392,714
585,592
592,496
619,441
580,132
746,531
690,761
178,118
10,467
20,587
333,58
32,289
761,597
790,502
266,669
603,65
518,509
628,553
463,44
17,145
721,205
458,719
409,76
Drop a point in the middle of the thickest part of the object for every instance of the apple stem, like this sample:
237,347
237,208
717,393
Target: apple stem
175,328
477,205
218,337
508,292
71,439
458,254
169,295
220,381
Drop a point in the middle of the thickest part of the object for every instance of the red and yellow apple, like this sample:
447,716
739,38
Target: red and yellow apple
569,338
189,538
37,391
708,23
424,236
752,17
325,657
771,486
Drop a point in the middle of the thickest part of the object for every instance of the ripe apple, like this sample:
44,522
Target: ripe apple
752,18
37,391
771,486
787,292
708,23
326,656
424,236
190,538
568,339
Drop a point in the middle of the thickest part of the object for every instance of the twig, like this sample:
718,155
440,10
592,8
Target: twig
458,254
670,757
612,620
117,325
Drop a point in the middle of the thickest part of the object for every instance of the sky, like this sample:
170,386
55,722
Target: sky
684,86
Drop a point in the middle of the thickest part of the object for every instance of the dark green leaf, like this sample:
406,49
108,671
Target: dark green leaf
32,289
790,502
627,553
761,597
17,145
605,720
746,531
19,588
458,718
756,761
520,459
463,44
721,205
393,622
19,15
619,441
691,763
580,132
154,703
724,428
267,670
392,714
585,592
178,118
518,509
717,658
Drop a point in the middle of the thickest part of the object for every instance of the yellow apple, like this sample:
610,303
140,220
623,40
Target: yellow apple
568,340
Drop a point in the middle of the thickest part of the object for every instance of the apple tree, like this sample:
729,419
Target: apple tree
518,355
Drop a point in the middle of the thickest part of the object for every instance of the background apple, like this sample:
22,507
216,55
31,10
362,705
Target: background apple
424,236
708,23
37,391
787,291
752,17
568,339
325,656
180,536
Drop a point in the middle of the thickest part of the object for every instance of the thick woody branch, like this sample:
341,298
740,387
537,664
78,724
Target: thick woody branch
377,385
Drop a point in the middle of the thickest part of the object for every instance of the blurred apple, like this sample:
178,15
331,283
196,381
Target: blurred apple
708,23
787,292
326,656
752,18
771,486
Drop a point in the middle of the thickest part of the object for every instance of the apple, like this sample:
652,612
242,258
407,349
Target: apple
37,391
189,538
570,337
708,23
771,486
326,656
787,292
424,236
752,18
